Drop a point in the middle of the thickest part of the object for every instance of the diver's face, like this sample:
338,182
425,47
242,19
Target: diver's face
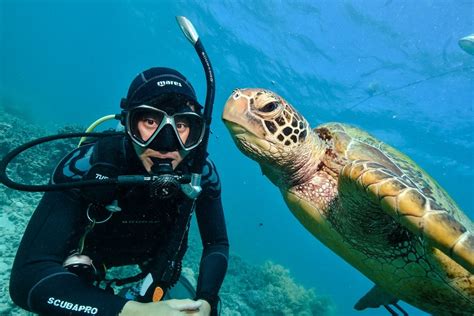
147,126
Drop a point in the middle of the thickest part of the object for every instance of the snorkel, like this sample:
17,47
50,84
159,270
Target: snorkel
193,189
157,182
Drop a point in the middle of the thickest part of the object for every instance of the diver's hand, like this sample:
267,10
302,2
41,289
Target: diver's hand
204,310
169,307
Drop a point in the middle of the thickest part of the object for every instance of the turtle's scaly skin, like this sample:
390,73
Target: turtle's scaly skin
365,200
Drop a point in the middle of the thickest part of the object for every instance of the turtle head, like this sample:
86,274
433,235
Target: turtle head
270,131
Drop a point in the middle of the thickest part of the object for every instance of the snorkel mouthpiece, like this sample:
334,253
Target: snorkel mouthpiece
161,166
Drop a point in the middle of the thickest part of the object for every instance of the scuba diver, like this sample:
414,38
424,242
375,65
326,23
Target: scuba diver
127,198
75,235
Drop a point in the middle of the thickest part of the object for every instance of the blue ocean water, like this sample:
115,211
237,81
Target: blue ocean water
67,62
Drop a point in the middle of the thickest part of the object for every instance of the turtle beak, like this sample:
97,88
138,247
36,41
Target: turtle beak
234,110
237,112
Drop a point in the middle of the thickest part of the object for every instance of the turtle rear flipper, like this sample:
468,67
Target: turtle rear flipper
411,209
375,298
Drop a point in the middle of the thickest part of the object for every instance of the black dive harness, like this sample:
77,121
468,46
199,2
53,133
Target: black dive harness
162,183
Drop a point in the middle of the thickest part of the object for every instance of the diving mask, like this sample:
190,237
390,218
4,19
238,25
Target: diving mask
150,127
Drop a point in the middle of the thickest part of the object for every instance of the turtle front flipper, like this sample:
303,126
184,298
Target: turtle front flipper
410,208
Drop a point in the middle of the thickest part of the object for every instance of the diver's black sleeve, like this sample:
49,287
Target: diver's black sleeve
212,227
38,282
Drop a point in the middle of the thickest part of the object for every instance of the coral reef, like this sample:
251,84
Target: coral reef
33,166
266,289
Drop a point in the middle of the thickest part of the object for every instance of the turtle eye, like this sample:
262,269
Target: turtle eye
269,107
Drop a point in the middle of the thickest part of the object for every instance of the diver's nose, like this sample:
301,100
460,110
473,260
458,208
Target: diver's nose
166,140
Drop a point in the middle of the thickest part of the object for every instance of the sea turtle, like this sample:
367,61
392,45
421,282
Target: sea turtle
366,201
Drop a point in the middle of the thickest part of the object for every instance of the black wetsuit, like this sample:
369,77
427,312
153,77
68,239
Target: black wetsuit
147,232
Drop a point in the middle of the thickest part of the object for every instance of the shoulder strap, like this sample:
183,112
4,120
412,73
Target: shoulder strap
107,161
109,150
103,158
76,165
